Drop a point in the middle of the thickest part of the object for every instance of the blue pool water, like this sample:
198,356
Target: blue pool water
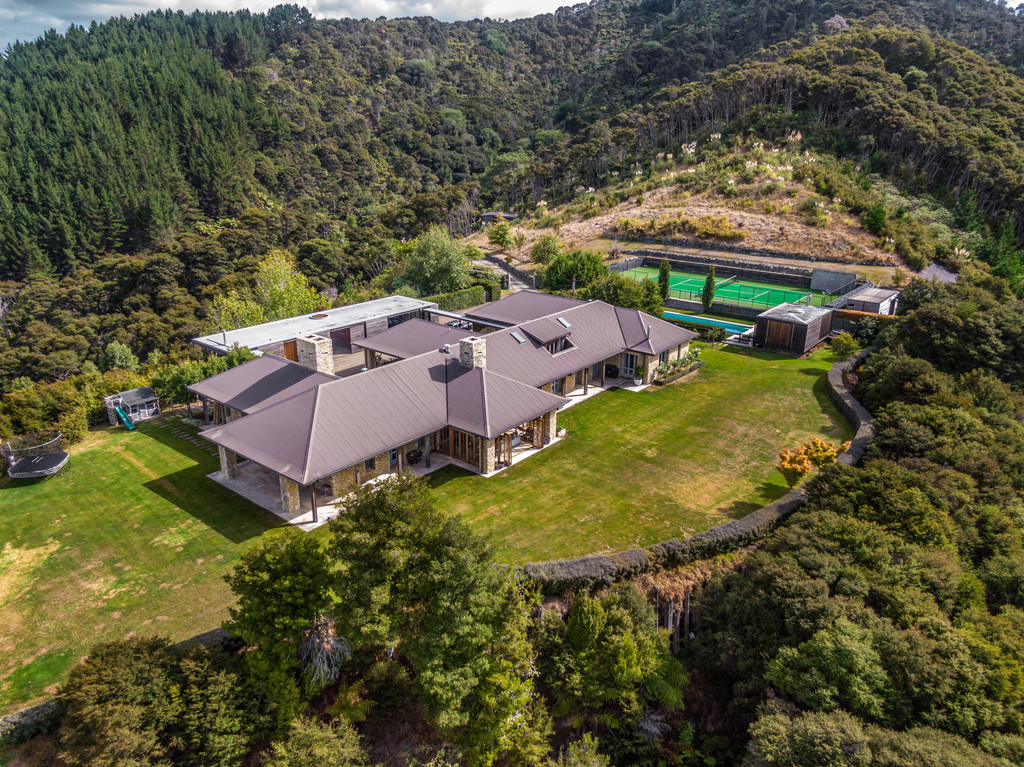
732,327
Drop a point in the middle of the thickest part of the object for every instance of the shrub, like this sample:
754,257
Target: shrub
844,345
74,425
313,744
460,299
874,218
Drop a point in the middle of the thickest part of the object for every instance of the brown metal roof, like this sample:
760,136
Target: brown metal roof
545,330
484,403
413,337
259,383
338,424
331,425
526,305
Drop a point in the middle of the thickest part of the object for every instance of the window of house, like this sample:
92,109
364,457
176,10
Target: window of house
393,458
370,464
663,358
556,386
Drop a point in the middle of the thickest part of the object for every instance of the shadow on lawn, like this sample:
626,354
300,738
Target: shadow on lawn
738,509
232,516
191,490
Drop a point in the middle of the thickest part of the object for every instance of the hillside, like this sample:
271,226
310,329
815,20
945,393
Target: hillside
115,137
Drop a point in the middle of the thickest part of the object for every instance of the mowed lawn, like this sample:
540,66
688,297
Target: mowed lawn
133,539
642,467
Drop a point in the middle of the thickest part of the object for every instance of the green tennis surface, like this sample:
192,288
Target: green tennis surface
688,286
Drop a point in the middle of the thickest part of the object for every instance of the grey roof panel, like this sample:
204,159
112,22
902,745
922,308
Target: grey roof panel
137,396
798,314
526,305
258,383
545,330
413,337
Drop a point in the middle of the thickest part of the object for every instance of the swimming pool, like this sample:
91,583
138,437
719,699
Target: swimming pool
732,327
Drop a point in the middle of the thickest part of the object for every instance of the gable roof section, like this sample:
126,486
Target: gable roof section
663,335
413,337
526,305
137,396
484,403
324,430
545,330
259,383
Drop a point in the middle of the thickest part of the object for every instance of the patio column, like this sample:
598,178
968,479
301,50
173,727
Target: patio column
289,494
228,462
486,456
359,468
206,415
312,498
586,381
538,432
604,369
399,451
426,448
550,426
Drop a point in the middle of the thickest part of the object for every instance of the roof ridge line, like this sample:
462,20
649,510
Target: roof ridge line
483,398
309,435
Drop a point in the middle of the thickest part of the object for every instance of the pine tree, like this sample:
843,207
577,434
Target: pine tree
707,295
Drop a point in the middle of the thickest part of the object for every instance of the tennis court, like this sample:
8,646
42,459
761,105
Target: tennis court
688,286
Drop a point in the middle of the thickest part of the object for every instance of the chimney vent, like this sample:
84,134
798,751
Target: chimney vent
316,353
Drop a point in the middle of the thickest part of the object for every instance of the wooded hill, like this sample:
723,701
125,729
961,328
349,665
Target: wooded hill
114,137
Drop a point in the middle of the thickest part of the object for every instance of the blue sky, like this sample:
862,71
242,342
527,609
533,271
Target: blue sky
27,19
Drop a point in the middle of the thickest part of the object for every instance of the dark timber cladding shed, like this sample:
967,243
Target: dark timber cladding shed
792,328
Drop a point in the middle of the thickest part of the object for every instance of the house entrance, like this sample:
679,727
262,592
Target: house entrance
629,363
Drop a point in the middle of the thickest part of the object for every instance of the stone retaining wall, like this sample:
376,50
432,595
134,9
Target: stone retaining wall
754,251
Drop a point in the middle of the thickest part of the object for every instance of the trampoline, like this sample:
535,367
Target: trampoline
38,466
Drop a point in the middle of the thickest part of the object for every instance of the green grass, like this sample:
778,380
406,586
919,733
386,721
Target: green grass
688,285
638,468
133,539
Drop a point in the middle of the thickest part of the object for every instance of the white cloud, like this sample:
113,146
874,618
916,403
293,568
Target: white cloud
28,19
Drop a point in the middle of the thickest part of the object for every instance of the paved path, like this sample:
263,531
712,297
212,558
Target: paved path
514,283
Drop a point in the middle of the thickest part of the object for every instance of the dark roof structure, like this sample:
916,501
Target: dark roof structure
526,305
797,314
137,396
305,425
413,337
259,383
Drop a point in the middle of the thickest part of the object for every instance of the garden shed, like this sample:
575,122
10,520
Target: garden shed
792,328
874,300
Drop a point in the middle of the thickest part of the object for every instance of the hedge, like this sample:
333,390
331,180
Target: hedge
596,571
460,299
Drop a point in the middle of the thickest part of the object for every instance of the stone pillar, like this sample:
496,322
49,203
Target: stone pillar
400,454
228,462
550,426
538,432
586,381
289,494
486,456
426,448
316,353
339,483
472,352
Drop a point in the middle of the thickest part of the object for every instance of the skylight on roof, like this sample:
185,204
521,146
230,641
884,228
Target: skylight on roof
518,337
565,323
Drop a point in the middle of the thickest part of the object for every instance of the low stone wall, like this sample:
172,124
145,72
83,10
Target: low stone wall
563,575
775,274
704,245
852,410
719,308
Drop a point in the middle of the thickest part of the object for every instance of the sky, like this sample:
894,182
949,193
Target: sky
26,20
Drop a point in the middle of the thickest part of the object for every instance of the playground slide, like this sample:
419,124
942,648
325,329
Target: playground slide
124,418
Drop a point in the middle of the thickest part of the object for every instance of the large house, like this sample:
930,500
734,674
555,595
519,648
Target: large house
477,398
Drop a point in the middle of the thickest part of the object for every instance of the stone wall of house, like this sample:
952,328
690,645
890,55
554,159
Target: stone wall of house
315,353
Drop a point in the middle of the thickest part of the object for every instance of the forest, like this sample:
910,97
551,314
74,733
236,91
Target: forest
165,175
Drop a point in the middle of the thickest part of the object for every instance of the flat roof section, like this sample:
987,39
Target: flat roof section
798,314
279,331
875,295
413,337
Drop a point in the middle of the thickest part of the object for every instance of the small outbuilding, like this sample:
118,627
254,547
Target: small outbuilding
874,300
137,404
491,216
792,328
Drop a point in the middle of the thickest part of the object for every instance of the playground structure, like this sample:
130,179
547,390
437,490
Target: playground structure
130,407
35,456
